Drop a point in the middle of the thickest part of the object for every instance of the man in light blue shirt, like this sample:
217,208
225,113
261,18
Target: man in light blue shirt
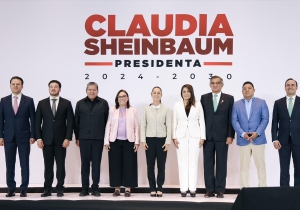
250,117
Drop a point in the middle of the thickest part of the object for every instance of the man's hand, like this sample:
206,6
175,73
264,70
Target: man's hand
229,140
277,145
253,136
32,140
1,141
66,143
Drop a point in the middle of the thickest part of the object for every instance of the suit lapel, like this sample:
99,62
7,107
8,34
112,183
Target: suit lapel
22,102
296,105
60,104
244,108
191,111
284,106
221,102
253,106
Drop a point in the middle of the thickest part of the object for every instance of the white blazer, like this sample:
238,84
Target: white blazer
194,123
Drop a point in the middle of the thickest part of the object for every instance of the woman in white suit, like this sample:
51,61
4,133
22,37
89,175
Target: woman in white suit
188,134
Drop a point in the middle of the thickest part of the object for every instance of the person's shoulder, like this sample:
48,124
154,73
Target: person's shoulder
206,95
6,97
281,99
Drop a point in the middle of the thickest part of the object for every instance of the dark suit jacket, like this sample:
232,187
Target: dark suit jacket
58,128
90,121
284,126
21,125
218,124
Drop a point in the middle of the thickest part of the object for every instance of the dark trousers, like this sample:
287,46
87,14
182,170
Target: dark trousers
10,149
122,164
156,152
215,152
57,152
284,158
90,151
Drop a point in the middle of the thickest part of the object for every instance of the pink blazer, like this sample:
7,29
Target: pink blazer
132,126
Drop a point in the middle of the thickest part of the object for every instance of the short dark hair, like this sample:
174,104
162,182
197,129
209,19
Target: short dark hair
55,81
117,102
16,77
90,84
248,82
289,80
216,77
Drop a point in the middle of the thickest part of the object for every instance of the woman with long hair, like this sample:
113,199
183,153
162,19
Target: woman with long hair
188,134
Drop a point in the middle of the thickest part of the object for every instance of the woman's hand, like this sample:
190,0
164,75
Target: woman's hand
145,145
201,142
176,143
136,147
166,146
107,147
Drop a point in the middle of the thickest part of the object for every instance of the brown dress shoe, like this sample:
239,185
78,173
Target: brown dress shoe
209,194
116,193
127,194
220,195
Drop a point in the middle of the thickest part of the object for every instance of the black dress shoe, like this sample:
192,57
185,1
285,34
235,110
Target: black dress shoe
10,193
84,193
96,193
193,194
183,194
46,193
209,194
220,195
23,193
60,193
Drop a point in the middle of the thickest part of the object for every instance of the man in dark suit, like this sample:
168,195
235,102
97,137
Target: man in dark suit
17,132
54,120
91,115
286,132
217,107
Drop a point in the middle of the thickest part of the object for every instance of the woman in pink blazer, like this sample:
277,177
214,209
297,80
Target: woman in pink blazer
122,142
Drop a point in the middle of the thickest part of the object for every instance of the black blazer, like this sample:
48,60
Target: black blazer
284,126
20,125
218,124
90,121
58,128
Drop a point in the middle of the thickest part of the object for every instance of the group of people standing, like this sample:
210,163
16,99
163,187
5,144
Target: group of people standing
210,123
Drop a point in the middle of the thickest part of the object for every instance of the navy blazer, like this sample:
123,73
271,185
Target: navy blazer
257,122
21,125
284,126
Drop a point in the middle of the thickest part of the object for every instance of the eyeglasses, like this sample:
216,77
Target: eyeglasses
215,83
123,96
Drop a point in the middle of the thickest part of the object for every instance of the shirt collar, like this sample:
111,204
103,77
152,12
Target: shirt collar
51,97
219,94
87,99
294,96
249,100
19,95
158,106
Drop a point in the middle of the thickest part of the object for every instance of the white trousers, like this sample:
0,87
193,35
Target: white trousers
187,156
258,152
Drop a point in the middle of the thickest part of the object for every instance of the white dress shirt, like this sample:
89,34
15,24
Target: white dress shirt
56,102
218,97
13,100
